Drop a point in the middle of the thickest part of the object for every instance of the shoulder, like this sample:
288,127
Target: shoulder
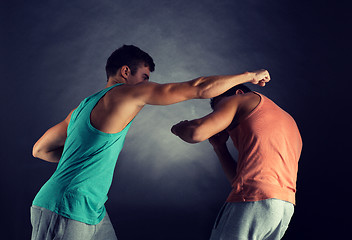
68,117
229,102
238,106
252,97
247,100
133,90
130,95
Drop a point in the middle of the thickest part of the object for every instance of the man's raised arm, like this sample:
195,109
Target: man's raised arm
202,87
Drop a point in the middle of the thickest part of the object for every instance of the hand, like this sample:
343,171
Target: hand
176,127
219,138
261,77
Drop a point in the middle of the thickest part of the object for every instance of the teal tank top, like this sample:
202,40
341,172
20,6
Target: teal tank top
79,186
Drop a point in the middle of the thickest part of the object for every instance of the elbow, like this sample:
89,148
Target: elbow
206,91
202,94
201,88
36,151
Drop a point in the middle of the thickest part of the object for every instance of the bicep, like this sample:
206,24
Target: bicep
165,94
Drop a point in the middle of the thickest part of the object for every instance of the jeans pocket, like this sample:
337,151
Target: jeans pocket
36,215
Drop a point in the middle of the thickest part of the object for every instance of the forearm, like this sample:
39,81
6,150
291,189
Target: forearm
50,156
213,86
186,131
227,162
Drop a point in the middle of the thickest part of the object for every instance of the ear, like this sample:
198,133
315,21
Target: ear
125,71
239,91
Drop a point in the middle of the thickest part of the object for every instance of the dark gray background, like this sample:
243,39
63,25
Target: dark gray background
53,55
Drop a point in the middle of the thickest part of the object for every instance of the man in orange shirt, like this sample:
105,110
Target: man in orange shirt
261,203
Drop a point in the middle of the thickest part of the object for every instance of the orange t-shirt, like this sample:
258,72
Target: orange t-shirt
269,146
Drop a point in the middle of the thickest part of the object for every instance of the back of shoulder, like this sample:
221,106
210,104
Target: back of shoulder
243,103
231,101
250,100
138,93
133,90
125,96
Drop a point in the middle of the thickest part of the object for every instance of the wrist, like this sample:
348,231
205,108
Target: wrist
249,76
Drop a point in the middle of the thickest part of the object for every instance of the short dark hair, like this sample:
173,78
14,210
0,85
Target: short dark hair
129,55
230,92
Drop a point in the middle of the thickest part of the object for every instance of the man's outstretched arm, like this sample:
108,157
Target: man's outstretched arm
202,87
50,146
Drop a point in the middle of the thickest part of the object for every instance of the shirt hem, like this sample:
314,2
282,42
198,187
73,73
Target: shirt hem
89,221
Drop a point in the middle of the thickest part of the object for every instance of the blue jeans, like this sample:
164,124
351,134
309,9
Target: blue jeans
267,219
49,225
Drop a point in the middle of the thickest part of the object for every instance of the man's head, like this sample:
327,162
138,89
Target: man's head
238,89
128,61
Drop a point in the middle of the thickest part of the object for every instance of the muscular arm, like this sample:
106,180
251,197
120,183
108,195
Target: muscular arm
203,128
213,127
202,87
50,146
185,130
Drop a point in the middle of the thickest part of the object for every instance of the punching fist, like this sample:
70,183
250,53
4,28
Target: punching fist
260,77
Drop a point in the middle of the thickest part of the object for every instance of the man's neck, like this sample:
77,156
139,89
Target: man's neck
114,80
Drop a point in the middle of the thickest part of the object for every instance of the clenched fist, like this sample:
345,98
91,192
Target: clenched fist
260,77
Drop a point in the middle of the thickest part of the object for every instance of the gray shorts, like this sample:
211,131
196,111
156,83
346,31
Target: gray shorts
49,225
267,219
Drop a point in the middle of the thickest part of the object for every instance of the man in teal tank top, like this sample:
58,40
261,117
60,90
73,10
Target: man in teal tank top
86,145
